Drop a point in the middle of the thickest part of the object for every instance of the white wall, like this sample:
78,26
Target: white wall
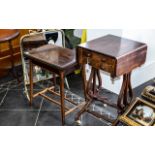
95,33
147,71
139,75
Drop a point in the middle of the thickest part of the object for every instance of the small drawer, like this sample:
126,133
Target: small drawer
107,64
106,67
103,62
97,61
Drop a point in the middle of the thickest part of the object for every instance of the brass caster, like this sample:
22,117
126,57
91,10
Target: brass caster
78,122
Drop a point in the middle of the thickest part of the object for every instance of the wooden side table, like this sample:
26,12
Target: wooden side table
115,55
57,60
7,35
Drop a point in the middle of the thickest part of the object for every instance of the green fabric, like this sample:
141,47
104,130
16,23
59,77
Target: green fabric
71,40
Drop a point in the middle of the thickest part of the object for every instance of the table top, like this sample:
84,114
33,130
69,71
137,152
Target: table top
113,54
53,56
8,34
113,46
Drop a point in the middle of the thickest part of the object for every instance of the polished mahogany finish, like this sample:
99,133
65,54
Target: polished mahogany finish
53,56
5,52
57,60
7,35
115,55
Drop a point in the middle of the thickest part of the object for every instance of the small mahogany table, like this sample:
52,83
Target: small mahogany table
115,55
60,61
7,35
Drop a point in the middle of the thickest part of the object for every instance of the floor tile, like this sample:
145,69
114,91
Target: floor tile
49,118
15,109
15,99
17,117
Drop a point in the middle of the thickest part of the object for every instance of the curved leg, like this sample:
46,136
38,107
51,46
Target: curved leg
94,82
130,87
84,80
128,94
94,90
125,96
91,90
126,91
87,91
99,79
89,84
121,94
